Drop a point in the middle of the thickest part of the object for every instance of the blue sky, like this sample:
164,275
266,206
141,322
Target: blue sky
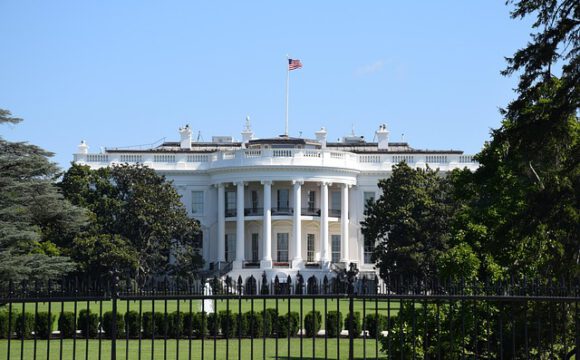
120,73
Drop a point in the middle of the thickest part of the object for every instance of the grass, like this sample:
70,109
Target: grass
173,349
123,306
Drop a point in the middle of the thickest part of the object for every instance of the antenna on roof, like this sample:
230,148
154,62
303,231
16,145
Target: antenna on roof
403,137
199,137
352,129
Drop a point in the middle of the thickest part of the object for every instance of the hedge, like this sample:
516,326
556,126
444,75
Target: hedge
175,323
213,324
274,321
312,323
43,325
266,319
23,325
132,324
66,324
355,328
333,323
88,323
154,325
375,324
288,324
232,325
4,324
108,324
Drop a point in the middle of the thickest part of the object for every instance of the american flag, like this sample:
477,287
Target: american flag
294,64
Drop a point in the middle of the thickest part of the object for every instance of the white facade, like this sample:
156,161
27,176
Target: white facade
279,205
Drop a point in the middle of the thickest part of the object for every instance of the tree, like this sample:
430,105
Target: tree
409,222
139,213
33,213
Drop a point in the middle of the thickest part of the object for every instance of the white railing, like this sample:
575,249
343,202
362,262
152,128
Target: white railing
131,158
164,158
283,157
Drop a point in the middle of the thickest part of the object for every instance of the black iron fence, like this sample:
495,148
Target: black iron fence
289,319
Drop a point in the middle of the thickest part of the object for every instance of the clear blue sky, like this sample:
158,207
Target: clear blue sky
119,73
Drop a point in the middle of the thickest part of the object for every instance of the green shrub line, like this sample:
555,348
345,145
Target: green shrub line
173,325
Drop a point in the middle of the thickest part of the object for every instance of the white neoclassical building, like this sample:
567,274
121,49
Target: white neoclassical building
279,205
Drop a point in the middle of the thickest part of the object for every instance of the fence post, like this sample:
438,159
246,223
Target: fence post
351,274
114,295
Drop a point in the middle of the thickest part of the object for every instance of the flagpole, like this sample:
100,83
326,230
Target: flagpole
287,87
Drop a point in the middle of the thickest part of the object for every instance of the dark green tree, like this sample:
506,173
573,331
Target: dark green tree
139,214
33,213
409,222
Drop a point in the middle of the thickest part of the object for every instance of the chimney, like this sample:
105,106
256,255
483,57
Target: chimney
83,148
382,135
247,133
185,133
321,137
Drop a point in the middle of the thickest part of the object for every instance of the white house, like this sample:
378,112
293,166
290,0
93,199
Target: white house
279,205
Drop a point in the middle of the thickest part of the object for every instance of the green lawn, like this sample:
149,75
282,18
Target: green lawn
171,349
233,305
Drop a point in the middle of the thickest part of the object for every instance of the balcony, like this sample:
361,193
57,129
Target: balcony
231,213
282,211
254,211
334,212
310,211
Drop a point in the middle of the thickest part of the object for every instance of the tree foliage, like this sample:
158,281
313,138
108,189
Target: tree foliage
33,213
410,222
138,214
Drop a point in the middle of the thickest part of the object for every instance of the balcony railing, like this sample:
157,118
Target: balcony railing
310,211
282,211
231,213
334,212
251,264
254,211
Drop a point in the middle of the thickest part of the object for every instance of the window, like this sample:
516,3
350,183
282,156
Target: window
230,247
369,196
282,242
310,247
254,200
369,247
197,202
283,199
335,200
311,200
335,203
230,203
335,239
255,247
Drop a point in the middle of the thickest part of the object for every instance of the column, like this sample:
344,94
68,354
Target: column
324,223
221,228
240,229
297,258
266,262
344,256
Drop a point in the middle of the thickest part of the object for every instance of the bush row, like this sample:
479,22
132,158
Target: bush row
177,324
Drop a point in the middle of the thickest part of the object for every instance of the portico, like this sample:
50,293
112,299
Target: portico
282,239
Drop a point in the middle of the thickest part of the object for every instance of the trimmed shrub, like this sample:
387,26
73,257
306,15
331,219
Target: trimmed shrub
188,327
148,324
66,324
229,323
312,323
333,323
213,324
23,325
175,322
266,321
132,324
88,323
254,323
107,325
355,327
274,321
200,321
155,326
4,324
375,323
43,325
288,324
